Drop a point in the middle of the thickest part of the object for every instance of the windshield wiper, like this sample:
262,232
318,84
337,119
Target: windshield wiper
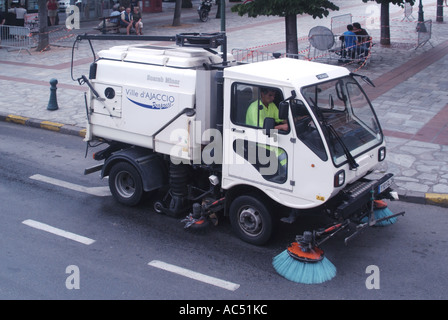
351,160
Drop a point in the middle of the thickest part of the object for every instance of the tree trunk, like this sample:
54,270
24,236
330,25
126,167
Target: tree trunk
44,42
187,4
439,11
177,12
292,46
385,24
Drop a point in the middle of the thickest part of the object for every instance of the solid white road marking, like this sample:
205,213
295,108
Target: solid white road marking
96,191
194,275
59,232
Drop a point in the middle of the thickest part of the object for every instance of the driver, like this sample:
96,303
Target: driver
257,112
255,115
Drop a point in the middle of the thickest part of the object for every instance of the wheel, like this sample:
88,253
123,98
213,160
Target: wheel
125,184
251,220
203,15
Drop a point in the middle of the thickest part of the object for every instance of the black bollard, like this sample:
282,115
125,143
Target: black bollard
53,102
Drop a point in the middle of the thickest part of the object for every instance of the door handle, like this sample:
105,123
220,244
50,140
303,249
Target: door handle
238,130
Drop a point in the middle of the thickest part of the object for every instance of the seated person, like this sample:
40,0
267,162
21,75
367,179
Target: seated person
137,24
112,21
363,39
265,108
126,20
255,115
349,43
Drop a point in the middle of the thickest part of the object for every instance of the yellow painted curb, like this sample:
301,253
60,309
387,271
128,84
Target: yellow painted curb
82,133
16,119
437,198
49,125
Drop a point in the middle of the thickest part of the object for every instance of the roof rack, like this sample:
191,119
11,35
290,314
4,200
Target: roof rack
199,40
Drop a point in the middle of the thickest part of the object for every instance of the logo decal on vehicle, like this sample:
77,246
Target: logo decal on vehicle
153,100
154,105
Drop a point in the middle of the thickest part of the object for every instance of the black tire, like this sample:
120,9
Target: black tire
251,220
203,15
125,184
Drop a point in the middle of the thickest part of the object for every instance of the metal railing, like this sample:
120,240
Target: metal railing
255,55
424,31
15,38
336,52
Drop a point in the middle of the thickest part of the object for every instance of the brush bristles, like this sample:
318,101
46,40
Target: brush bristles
382,213
303,272
379,214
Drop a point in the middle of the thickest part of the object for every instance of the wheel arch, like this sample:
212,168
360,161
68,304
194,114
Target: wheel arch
239,190
149,165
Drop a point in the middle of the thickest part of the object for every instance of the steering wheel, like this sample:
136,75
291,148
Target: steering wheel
303,125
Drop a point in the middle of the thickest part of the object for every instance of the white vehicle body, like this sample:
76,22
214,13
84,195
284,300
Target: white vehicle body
170,104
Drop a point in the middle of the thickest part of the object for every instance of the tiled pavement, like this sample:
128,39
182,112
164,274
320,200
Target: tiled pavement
410,97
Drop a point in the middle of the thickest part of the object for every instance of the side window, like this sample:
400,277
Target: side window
252,104
242,96
271,162
306,129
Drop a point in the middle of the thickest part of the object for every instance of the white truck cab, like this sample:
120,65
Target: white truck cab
328,114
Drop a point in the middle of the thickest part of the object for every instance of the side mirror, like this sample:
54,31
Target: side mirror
368,81
365,79
268,126
283,110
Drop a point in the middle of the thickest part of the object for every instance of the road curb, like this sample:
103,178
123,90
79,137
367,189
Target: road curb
437,199
44,124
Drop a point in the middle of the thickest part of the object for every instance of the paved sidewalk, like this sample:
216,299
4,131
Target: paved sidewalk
411,94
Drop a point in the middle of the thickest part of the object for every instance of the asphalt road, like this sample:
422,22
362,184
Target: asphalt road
124,250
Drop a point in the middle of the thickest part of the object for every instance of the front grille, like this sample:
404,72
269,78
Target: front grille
359,188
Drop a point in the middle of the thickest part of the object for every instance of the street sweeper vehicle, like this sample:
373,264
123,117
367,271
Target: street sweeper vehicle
215,138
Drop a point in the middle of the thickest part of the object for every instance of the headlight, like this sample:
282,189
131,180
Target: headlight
339,178
382,154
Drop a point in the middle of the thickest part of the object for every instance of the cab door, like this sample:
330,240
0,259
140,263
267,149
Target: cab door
249,153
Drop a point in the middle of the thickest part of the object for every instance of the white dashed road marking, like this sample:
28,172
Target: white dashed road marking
194,275
96,191
59,232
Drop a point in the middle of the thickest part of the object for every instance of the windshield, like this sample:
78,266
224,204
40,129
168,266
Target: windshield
346,116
